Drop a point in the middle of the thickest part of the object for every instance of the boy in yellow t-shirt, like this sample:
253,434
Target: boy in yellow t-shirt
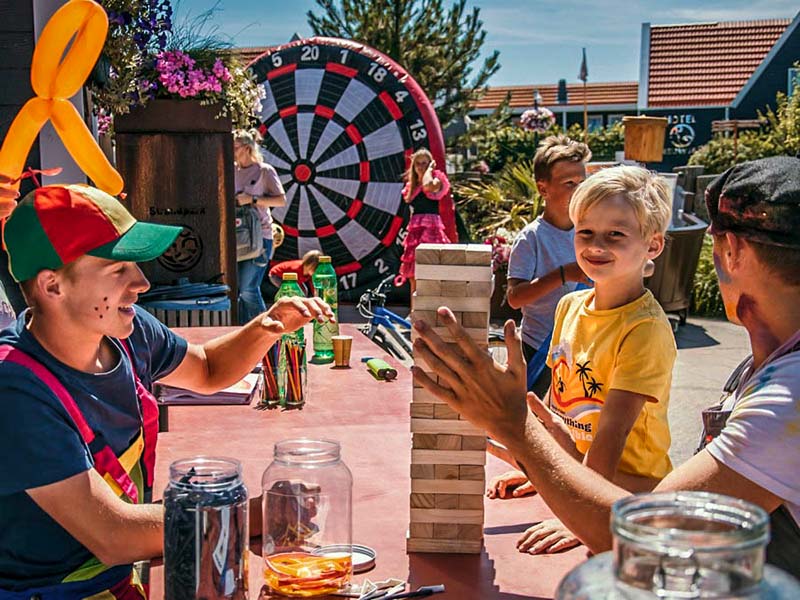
612,349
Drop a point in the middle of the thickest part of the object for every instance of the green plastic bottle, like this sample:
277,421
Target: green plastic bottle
292,382
326,284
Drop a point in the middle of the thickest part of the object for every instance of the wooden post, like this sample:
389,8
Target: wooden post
176,159
585,116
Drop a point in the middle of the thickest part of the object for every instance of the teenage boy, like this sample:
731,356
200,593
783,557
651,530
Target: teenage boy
754,453
76,370
542,267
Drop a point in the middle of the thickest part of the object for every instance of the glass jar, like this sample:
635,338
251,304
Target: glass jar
205,530
307,518
682,545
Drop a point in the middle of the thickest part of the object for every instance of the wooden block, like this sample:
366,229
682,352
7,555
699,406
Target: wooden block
445,472
452,273
429,316
453,254
437,515
420,394
421,501
440,319
443,546
448,486
470,471
480,288
447,442
473,442
475,319
424,441
466,532
453,457
421,530
446,531
443,411
421,410
479,254
474,304
478,334
445,501
429,288
423,472
427,254
452,426
470,501
453,288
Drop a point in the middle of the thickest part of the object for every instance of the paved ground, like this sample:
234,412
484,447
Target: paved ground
708,350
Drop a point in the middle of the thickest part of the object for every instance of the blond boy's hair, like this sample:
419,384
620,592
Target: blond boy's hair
646,192
555,148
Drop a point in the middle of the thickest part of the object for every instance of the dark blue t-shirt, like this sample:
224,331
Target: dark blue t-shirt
40,443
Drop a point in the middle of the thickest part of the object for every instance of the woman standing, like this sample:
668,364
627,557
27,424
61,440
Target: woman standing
425,186
257,184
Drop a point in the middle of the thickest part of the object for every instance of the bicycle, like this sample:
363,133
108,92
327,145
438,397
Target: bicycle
388,330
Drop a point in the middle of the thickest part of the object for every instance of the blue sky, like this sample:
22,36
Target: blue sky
539,41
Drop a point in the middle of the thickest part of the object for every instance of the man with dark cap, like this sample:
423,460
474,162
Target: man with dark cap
79,423
751,445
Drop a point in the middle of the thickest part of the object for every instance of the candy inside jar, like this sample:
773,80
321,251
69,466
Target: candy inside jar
307,519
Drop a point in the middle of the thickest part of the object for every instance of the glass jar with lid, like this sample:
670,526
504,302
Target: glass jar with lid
307,518
205,530
682,545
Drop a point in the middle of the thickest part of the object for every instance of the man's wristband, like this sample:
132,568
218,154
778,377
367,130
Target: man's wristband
563,277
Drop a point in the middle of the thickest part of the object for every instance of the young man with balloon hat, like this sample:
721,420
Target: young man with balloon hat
76,370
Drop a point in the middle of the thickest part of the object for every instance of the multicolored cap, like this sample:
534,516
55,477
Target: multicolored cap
57,224
758,200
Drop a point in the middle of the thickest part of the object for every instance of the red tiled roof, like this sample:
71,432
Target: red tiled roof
624,92
707,63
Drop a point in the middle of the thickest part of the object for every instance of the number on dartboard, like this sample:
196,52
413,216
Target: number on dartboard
376,72
348,281
419,134
381,265
344,54
400,95
401,237
277,61
309,53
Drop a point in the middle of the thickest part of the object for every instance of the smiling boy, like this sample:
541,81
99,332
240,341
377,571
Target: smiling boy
612,350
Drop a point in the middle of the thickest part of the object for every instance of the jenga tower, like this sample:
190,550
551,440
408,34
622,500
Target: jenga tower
448,453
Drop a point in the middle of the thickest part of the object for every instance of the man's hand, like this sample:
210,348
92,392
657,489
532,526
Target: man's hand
547,537
511,484
572,272
490,395
290,314
243,199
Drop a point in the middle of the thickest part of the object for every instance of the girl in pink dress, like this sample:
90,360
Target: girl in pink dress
425,186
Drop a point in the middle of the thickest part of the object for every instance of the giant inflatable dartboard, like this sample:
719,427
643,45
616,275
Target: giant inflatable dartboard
339,122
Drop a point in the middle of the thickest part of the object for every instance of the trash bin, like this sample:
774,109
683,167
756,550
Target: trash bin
187,304
672,279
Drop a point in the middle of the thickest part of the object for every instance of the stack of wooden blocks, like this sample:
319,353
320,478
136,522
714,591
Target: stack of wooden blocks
448,453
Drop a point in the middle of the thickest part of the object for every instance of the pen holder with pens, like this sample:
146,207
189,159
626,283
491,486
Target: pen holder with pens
270,367
292,372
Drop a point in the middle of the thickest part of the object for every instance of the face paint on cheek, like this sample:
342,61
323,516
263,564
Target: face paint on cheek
722,274
748,313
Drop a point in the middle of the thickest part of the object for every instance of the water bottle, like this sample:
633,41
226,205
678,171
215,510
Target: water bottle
292,357
325,282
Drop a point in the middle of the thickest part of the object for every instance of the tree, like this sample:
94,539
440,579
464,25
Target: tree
436,46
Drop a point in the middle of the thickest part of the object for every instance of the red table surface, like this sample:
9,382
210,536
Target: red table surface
371,420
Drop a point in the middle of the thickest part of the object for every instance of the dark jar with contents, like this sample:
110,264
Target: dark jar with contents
205,530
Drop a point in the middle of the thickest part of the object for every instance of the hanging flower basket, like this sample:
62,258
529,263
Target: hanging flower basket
538,119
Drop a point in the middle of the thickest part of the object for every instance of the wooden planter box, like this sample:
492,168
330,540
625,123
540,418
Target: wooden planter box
177,162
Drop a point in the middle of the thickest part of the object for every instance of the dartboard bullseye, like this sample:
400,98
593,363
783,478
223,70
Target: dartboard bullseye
339,122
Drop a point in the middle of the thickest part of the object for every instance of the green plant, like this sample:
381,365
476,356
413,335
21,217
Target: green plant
780,134
706,297
506,200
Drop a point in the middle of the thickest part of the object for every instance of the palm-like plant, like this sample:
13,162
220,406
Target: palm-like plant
507,200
